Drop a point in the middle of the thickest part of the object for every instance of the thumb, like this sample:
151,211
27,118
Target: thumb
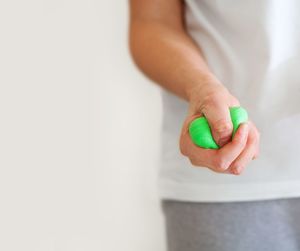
220,123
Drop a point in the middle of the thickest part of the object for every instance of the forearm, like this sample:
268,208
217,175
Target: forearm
169,57
165,53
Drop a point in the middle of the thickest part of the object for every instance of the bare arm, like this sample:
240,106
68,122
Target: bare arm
163,50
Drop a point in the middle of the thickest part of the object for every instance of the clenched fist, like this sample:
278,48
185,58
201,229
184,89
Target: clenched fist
213,101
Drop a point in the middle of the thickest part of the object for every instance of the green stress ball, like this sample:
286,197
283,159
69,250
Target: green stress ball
200,131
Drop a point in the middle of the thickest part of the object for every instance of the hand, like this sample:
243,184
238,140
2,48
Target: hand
213,100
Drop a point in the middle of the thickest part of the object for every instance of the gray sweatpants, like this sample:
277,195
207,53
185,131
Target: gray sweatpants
270,225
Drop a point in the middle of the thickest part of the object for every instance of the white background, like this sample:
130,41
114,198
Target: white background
79,131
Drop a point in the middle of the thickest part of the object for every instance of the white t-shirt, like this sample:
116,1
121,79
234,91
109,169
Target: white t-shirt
253,47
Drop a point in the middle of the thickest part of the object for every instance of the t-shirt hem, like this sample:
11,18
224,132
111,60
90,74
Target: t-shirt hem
170,190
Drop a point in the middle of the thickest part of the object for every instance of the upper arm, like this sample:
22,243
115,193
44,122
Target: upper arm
163,12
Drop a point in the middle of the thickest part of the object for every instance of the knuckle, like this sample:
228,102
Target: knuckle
252,138
182,146
256,131
194,162
220,164
235,166
238,170
257,134
239,142
183,150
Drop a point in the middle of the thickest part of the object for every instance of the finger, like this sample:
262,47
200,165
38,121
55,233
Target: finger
218,117
256,155
258,143
184,142
238,165
197,155
227,154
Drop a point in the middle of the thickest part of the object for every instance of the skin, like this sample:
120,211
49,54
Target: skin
163,50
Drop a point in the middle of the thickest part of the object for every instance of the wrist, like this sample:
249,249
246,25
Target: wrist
204,88
208,93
